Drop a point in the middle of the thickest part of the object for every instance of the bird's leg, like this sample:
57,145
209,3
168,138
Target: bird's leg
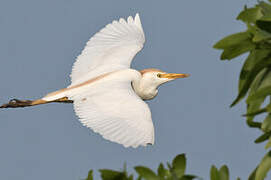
15,103
63,100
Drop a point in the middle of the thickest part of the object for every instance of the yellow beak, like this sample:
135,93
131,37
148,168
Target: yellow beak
174,76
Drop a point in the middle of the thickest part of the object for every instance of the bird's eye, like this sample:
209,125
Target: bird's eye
159,75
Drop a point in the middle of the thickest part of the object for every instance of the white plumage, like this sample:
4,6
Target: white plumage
110,106
107,94
115,111
111,49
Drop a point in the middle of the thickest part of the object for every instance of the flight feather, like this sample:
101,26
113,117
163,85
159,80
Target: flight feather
110,49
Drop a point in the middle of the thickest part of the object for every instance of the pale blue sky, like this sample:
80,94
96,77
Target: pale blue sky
41,39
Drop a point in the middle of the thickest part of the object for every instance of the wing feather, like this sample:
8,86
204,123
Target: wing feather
112,109
110,49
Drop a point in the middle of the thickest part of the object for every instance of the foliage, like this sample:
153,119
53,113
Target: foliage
220,174
255,76
174,171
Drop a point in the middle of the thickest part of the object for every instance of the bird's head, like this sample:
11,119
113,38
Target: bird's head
158,77
152,79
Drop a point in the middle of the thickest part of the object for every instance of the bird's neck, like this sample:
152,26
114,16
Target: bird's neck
144,88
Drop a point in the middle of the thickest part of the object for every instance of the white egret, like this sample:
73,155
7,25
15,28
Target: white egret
108,95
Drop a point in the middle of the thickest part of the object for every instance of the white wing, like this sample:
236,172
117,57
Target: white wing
112,48
112,109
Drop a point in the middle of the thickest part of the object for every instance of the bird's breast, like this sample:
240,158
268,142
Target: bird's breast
147,94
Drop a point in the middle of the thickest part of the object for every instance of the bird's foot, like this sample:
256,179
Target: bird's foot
15,103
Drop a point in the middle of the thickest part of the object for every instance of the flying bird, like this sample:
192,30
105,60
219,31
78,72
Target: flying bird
108,96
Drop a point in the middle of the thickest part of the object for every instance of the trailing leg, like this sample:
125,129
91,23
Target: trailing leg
15,103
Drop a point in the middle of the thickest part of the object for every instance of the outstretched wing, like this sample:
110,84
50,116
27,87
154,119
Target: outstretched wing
112,48
112,109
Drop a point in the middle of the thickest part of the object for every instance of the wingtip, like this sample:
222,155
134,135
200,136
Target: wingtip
138,21
137,18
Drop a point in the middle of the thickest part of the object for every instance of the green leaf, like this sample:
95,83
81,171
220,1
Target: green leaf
257,112
232,40
188,177
263,167
260,35
264,88
268,144
266,125
258,80
131,177
253,174
146,173
260,94
234,51
265,7
263,137
238,178
250,15
254,107
264,25
179,165
162,172
214,173
172,175
235,45
224,173
90,175
256,61
107,174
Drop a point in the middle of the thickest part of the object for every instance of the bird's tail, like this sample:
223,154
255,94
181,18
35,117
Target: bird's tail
16,103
